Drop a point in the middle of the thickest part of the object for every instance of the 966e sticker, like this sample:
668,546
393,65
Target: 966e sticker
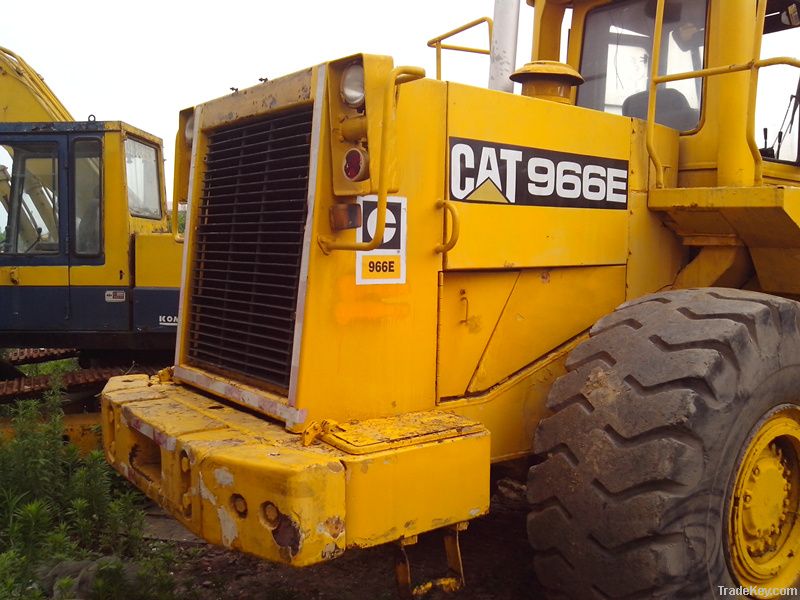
387,263
504,174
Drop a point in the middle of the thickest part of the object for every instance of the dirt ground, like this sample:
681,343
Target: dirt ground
495,552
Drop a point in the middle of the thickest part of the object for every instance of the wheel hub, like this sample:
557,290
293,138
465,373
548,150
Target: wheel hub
764,531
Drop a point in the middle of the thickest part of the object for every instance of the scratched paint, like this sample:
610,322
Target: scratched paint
206,493
227,526
223,476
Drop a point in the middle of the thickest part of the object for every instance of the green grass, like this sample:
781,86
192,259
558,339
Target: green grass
56,505
53,367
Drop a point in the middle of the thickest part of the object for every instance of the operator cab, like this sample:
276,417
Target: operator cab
615,61
611,45
74,198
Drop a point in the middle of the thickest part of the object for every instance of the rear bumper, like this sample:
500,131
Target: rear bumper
246,483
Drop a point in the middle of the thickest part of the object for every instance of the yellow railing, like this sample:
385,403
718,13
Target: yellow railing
437,42
753,66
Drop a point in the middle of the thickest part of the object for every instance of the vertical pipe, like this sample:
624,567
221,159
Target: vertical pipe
503,57
732,28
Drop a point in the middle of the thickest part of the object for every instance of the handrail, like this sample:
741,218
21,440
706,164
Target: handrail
754,66
758,162
397,76
652,86
455,227
437,42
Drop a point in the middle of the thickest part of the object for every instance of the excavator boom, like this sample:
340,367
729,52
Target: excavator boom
33,100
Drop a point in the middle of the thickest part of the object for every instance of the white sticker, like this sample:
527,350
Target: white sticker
115,296
387,263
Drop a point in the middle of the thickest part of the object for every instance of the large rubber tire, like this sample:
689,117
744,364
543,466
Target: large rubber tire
632,495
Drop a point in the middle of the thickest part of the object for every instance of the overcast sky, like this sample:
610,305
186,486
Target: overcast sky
143,61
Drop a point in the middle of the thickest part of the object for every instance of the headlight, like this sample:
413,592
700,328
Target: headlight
353,86
188,130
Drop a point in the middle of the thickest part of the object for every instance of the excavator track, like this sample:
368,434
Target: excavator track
75,381
29,356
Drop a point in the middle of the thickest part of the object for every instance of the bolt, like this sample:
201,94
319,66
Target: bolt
747,498
185,464
756,471
186,500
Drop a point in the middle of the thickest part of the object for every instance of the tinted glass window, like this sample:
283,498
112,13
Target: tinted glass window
777,102
29,198
142,174
618,40
88,196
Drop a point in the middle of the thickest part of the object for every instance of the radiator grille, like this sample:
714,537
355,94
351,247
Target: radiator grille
249,243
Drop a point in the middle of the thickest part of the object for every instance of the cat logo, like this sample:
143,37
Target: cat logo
387,263
491,173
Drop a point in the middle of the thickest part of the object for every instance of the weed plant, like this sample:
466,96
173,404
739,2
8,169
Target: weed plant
57,506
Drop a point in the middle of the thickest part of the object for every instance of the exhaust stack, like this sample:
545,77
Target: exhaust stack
503,55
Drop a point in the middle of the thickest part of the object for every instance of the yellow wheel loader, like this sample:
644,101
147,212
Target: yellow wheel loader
392,283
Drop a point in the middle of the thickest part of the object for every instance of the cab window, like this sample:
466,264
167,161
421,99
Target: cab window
141,168
779,85
29,198
88,197
615,63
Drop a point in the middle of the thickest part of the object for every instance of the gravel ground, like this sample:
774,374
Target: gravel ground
496,555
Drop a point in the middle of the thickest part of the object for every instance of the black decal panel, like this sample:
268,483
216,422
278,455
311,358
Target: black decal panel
506,174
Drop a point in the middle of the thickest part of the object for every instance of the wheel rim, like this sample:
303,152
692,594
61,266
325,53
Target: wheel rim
764,529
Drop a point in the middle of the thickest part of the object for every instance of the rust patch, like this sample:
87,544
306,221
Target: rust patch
333,526
285,531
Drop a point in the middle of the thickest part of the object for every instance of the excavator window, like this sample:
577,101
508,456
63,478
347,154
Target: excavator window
29,182
779,86
143,185
88,196
616,60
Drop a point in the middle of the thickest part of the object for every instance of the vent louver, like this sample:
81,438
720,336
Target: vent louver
249,243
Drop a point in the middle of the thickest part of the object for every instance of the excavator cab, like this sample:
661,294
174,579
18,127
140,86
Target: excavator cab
85,242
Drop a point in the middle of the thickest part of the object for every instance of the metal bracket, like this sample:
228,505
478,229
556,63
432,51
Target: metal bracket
452,582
